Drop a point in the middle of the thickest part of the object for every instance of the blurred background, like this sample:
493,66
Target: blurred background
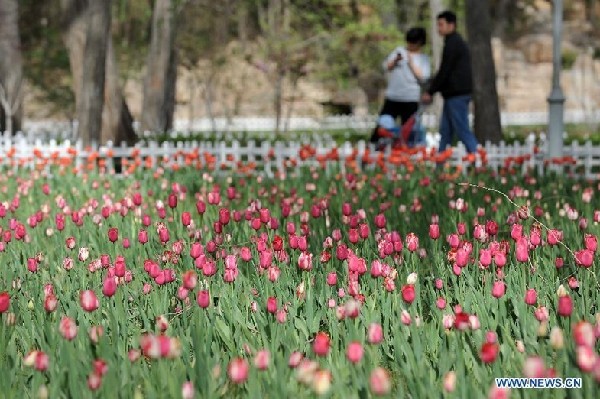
199,65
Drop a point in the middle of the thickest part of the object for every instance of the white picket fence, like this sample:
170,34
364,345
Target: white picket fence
271,157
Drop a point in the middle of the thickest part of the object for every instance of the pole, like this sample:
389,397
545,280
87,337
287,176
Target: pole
556,99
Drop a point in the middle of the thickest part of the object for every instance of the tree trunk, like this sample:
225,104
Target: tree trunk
11,67
117,122
90,103
159,85
485,96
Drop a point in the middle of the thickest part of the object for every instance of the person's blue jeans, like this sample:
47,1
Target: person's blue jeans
455,120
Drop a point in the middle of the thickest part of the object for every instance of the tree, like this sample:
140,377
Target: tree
159,84
485,96
11,68
111,117
86,35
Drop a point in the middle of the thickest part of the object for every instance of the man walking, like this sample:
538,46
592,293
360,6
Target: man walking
454,82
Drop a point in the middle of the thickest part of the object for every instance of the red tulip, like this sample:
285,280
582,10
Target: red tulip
4,301
272,305
203,299
109,286
172,201
408,293
113,234
489,352
321,344
565,306
186,219
434,231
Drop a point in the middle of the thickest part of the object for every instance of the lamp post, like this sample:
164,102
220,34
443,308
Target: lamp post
556,99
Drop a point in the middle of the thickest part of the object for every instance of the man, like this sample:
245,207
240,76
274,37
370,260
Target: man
454,82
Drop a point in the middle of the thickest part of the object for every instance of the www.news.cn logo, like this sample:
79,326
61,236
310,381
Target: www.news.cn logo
539,383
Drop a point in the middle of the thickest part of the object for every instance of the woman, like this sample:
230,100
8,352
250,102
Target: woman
407,69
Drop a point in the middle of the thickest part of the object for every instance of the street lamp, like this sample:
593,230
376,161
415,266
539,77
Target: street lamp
556,99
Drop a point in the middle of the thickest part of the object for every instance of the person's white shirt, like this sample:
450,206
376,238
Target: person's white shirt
402,85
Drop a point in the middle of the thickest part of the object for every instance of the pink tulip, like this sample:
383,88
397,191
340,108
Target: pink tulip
531,297
380,382
375,334
67,328
262,359
88,301
584,258
295,359
237,370
187,390
440,303
109,286
498,289
203,299
583,334
37,359
534,367
586,358
354,352
565,306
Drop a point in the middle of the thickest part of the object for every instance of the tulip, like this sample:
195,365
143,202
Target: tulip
375,334
565,306
295,359
380,382
586,358
321,381
321,344
583,334
262,359
408,293
272,305
531,297
50,303
556,338
38,359
489,352
88,301
534,367
450,381
113,234
187,390
498,289
203,299
237,370
4,301
354,352
67,328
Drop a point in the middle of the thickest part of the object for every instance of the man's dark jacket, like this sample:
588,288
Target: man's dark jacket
454,77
